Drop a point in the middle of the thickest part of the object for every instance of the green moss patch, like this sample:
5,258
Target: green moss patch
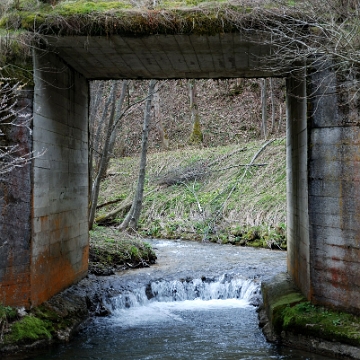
278,308
290,312
308,319
7,313
29,328
86,17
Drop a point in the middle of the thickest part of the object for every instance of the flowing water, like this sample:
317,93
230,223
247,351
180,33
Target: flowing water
198,302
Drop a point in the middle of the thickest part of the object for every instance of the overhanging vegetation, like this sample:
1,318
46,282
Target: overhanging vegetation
124,18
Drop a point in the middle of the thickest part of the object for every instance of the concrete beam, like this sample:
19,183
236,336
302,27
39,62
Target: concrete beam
163,56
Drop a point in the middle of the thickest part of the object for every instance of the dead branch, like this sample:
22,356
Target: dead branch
222,208
245,172
109,203
239,165
102,218
183,175
123,207
214,162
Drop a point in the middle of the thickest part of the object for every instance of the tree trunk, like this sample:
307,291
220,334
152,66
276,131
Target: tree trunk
280,118
264,108
104,155
164,140
272,100
196,136
96,93
118,116
133,215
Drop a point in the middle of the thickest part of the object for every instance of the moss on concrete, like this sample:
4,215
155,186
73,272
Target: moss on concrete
291,314
308,319
86,17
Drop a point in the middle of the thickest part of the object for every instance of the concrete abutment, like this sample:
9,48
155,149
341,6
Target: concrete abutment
44,216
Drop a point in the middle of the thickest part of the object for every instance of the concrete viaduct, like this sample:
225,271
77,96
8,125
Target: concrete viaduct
44,206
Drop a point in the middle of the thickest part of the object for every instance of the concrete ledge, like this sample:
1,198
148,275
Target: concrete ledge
287,318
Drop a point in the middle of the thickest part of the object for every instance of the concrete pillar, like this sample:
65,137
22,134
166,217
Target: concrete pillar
15,212
59,249
334,191
297,182
323,189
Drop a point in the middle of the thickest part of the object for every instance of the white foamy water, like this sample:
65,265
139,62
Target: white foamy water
162,301
225,287
162,312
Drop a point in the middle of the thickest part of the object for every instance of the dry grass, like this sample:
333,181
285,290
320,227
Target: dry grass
222,200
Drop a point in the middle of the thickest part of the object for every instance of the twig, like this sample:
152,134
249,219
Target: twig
245,172
195,196
122,207
216,161
109,203
239,165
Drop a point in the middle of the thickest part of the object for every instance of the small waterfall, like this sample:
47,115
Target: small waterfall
222,288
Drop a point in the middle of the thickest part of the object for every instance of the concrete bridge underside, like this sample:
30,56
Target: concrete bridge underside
45,205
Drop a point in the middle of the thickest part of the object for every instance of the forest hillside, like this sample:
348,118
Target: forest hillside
228,187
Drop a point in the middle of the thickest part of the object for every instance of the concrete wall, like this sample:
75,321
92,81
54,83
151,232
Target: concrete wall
334,192
323,189
297,173
15,213
60,191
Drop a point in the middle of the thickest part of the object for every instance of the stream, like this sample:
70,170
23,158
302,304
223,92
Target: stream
198,302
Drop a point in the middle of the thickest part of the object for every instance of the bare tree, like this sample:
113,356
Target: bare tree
316,34
105,126
133,215
103,156
164,139
264,113
11,116
118,116
196,134
272,101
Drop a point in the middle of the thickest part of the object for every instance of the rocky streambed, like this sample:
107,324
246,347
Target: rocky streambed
66,313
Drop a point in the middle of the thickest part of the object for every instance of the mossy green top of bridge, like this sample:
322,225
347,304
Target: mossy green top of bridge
64,24
131,18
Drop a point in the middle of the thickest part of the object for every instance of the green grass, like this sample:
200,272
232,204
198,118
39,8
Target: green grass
213,205
110,248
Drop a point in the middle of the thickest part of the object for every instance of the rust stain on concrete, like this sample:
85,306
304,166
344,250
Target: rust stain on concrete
15,286
52,274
